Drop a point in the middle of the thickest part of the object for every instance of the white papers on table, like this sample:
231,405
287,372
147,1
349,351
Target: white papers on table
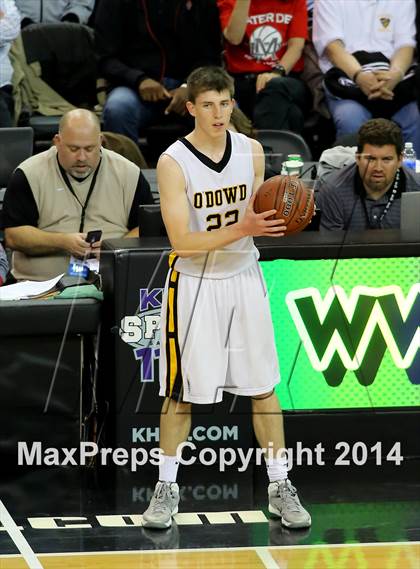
27,289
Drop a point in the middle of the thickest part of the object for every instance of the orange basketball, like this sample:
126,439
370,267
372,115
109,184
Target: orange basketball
293,201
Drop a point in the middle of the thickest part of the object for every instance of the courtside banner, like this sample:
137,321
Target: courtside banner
347,333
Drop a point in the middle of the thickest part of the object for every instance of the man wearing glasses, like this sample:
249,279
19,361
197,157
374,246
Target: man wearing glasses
366,194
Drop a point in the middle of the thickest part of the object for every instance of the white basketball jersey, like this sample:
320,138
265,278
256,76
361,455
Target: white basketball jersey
218,194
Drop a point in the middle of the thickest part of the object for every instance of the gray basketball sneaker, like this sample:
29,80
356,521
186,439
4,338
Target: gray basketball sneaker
284,502
163,505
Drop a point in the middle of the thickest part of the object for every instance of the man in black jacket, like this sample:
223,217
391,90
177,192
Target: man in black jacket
146,49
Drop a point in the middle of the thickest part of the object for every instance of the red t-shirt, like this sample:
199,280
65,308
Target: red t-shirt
270,24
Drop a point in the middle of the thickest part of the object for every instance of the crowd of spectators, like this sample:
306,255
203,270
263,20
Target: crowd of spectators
144,51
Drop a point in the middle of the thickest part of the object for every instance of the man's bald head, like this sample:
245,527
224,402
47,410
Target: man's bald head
77,118
78,142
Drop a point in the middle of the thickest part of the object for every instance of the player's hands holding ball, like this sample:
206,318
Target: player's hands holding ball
261,224
282,205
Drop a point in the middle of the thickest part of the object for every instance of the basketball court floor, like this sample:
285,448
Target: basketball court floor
59,517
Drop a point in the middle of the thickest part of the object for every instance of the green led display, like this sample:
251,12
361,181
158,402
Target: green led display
347,333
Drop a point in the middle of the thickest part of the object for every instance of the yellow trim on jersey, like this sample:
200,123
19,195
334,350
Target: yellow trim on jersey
172,259
173,364
171,302
173,373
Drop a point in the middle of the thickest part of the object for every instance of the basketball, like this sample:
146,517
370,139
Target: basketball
293,201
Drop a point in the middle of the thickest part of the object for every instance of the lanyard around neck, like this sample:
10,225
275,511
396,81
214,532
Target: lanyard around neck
89,194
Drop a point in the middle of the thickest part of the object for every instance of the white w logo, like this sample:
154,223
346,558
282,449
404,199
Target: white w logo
353,327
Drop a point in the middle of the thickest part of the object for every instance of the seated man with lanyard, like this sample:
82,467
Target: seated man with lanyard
366,194
55,197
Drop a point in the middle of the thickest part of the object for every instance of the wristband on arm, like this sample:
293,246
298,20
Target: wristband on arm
279,70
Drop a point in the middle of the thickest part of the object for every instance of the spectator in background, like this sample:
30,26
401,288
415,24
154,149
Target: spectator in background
366,194
56,196
9,30
53,11
146,49
264,41
366,51
4,265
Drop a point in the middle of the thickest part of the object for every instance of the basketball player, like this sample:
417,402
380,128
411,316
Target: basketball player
216,327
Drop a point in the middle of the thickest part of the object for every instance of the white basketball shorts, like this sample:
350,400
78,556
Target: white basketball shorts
216,335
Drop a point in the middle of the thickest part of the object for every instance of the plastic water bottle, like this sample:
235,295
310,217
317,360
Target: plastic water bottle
409,156
294,164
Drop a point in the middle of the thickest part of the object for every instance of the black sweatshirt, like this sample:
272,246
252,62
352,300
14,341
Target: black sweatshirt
136,39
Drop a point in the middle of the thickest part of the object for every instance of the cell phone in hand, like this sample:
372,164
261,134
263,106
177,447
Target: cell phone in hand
93,236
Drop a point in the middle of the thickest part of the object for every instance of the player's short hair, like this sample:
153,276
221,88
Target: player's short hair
380,132
209,78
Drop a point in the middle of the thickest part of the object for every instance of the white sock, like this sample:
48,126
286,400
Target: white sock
276,468
168,469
